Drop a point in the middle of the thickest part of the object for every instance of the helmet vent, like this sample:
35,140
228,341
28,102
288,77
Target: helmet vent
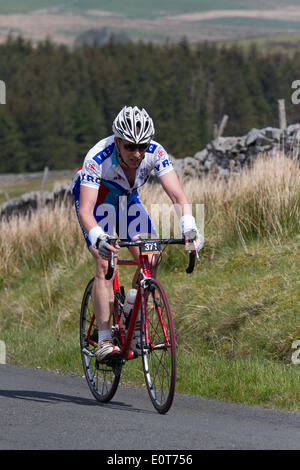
134,125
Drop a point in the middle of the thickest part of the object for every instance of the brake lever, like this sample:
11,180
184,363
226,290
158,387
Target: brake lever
193,255
191,265
111,263
111,267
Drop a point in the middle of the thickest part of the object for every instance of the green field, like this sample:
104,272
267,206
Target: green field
66,22
264,24
138,9
11,190
284,43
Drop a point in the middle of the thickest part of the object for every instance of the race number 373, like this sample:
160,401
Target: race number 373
296,354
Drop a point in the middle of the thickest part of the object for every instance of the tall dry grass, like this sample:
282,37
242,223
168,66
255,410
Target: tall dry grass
39,238
261,201
40,253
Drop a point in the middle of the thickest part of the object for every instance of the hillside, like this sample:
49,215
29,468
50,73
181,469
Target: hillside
59,103
216,20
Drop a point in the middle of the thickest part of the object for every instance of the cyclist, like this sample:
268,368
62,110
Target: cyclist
105,192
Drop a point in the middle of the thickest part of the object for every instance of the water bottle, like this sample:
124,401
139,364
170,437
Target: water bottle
128,303
127,309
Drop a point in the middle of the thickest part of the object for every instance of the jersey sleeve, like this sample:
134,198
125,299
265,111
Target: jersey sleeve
162,161
90,173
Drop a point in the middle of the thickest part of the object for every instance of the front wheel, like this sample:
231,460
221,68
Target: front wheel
159,355
102,379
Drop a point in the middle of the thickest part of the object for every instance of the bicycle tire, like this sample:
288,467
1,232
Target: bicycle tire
159,357
103,379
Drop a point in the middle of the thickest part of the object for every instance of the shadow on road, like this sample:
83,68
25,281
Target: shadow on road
49,397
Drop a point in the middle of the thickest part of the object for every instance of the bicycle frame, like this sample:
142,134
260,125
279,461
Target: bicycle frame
140,302
140,299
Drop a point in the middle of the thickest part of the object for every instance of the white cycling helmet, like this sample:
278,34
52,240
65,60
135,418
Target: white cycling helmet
134,125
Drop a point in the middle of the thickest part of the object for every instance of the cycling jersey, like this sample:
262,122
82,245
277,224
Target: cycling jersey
101,171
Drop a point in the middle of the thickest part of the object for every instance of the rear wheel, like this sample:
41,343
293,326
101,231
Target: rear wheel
103,379
159,355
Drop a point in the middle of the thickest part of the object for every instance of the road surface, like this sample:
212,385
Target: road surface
43,410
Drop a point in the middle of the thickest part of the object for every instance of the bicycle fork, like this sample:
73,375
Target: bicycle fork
150,345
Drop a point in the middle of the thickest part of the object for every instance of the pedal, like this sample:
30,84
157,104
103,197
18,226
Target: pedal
87,352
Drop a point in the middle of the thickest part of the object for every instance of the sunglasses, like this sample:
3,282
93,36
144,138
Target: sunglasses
133,147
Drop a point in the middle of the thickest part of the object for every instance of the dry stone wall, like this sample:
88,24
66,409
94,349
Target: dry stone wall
33,200
227,154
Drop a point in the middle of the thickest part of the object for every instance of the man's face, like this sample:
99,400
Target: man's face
131,153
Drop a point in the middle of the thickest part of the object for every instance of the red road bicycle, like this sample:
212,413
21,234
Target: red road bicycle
157,337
